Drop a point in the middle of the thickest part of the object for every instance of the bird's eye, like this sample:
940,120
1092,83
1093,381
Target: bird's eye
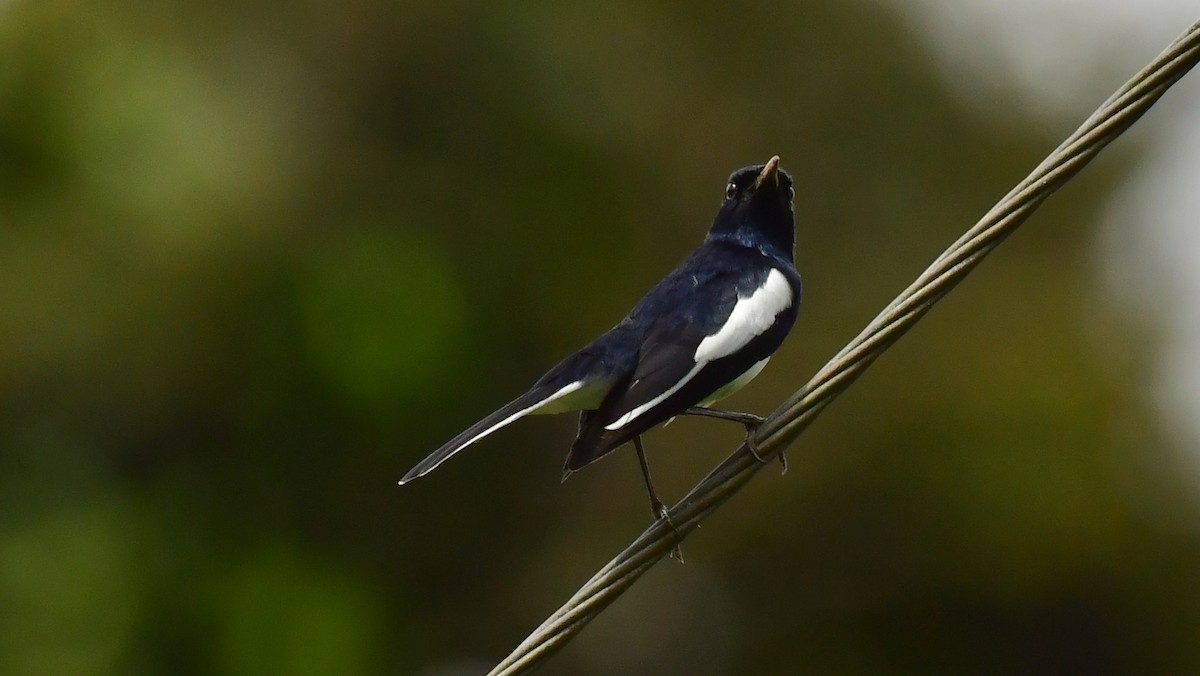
731,191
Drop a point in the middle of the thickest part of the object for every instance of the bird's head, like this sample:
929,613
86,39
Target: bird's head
757,210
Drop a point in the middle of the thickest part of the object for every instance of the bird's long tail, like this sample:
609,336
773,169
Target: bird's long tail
539,397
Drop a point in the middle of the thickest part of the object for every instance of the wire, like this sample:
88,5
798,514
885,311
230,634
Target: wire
782,427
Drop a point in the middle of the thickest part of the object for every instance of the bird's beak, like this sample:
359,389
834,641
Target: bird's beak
769,174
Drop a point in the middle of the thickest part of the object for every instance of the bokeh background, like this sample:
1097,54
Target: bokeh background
259,258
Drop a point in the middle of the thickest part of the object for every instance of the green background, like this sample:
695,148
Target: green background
259,258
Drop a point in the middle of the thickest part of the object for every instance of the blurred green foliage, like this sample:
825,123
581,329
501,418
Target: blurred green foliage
256,259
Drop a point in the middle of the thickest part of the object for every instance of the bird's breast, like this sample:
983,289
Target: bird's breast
735,384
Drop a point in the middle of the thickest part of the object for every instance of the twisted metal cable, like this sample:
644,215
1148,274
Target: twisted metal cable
1108,122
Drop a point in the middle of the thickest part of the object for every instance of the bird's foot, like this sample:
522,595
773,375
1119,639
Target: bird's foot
657,508
752,427
753,448
748,420
752,423
660,512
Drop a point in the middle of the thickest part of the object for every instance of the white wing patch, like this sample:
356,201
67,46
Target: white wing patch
620,422
752,315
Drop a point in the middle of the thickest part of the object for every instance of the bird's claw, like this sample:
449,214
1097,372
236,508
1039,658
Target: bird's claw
661,513
752,426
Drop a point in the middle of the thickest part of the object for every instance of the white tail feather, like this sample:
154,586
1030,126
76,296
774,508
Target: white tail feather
493,422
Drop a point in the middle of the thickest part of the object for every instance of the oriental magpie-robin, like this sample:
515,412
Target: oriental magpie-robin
702,333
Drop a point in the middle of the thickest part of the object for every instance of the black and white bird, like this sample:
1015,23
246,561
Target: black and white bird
703,332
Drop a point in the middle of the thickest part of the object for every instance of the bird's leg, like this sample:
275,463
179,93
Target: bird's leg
657,507
748,420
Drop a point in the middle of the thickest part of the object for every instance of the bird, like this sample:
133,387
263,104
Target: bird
700,334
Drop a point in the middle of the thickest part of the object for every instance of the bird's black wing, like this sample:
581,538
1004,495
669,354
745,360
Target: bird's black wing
676,368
